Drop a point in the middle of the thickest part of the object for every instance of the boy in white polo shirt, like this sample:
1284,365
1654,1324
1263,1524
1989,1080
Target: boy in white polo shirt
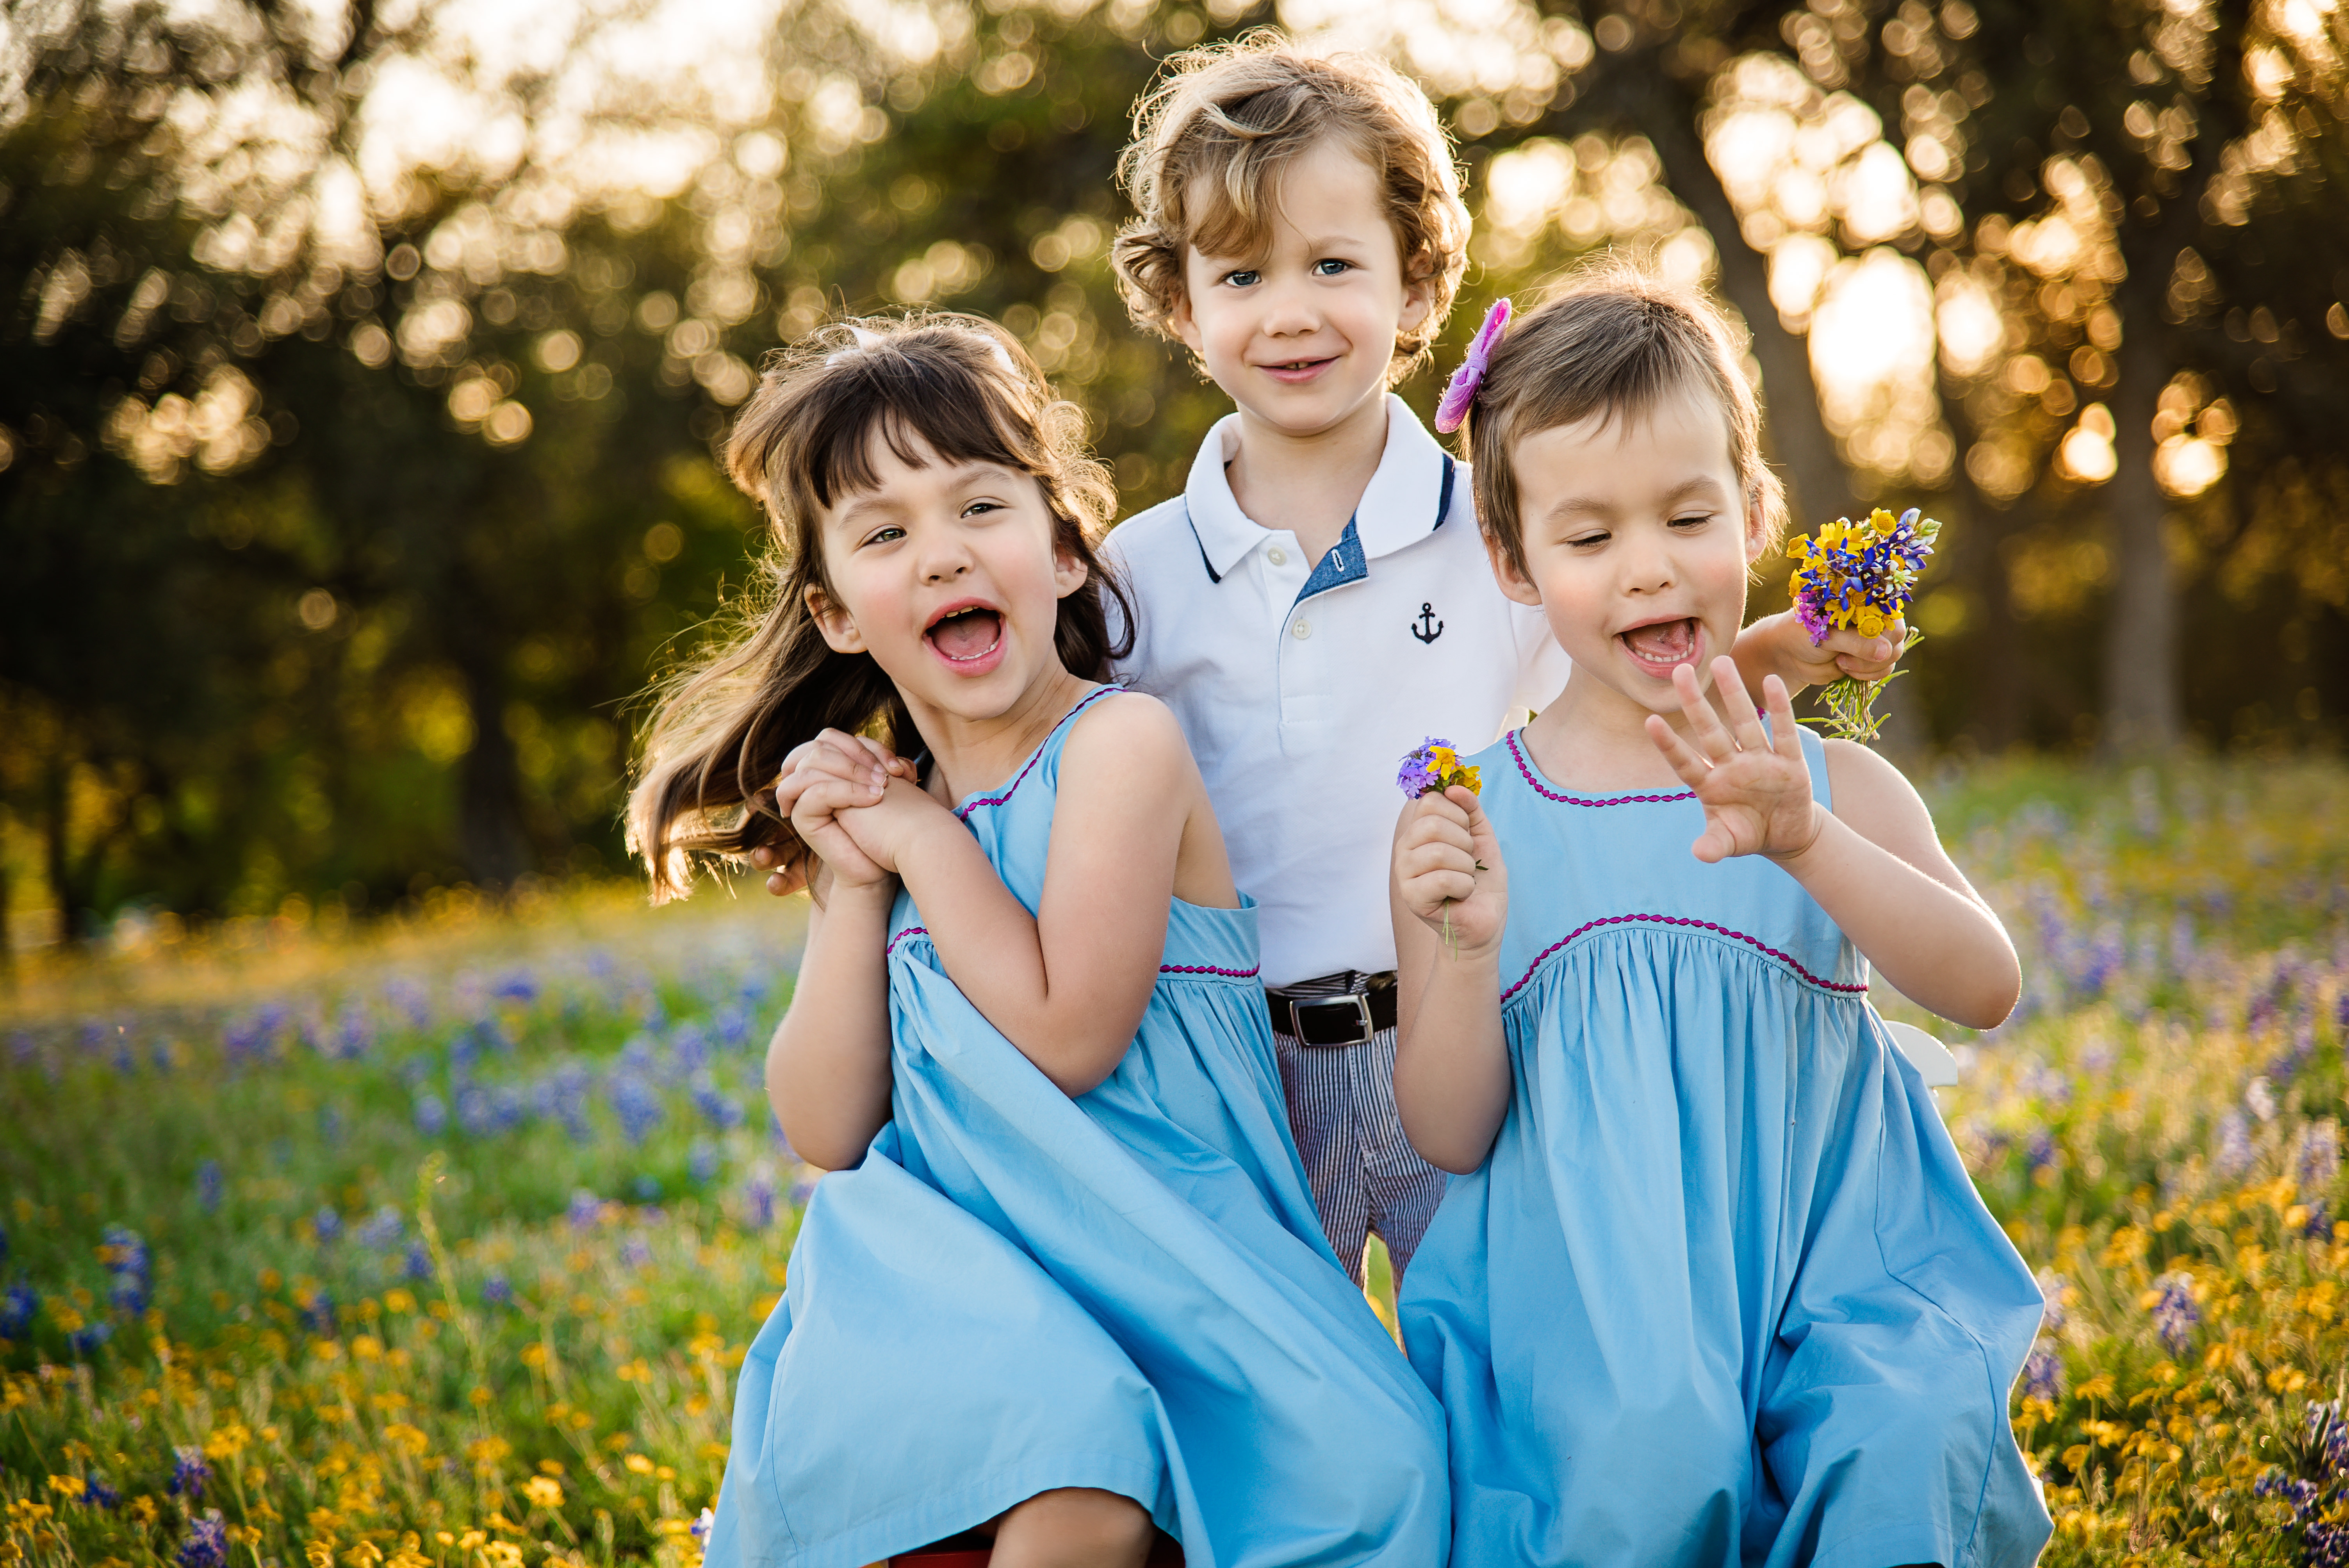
1317,601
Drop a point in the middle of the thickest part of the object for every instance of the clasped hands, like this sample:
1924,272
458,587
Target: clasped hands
854,803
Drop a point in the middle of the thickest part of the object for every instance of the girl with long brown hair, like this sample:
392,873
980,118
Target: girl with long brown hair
1064,1286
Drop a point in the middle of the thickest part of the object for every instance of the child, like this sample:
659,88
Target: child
1317,601
1064,1282
1711,1285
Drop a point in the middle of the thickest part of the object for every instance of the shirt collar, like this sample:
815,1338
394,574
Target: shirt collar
1400,507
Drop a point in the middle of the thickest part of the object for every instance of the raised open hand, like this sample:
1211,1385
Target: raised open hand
1754,784
1448,871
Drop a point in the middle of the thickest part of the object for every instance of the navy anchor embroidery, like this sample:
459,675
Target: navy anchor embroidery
1426,627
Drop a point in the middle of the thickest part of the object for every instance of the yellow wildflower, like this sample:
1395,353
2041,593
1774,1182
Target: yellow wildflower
544,1492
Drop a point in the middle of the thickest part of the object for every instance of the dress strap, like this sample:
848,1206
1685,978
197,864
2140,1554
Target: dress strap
1051,743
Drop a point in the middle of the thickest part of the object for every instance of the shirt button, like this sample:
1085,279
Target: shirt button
1303,628
1277,555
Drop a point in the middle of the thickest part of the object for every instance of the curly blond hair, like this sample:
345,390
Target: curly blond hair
1212,139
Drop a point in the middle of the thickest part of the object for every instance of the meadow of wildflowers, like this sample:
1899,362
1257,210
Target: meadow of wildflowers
441,1251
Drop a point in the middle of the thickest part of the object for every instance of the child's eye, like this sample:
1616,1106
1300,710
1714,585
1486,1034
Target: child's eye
889,535
1587,540
1694,521
1244,278
980,508
1330,267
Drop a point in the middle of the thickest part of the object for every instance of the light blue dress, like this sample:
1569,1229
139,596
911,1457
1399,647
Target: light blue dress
1017,1291
1722,1293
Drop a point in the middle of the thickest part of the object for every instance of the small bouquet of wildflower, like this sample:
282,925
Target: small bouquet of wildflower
1432,768
1859,577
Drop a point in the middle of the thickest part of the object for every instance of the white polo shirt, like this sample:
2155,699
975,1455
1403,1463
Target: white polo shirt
1300,688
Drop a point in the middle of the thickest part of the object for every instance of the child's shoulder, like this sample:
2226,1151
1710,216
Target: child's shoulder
1153,532
1133,729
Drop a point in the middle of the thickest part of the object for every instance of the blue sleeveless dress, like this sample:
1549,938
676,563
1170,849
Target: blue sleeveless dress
1017,1290
1722,1293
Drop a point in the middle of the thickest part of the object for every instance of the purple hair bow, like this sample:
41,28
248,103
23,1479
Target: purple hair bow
1461,390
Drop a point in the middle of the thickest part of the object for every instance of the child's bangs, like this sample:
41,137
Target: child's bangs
920,412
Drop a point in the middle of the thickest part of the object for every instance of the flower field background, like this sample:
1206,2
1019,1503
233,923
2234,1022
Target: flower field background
441,1245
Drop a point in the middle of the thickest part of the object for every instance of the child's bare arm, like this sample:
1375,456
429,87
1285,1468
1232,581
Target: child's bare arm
1873,863
1451,1064
1068,985
828,1067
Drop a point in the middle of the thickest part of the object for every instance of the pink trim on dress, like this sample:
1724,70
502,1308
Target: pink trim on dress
1545,790
963,811
1787,959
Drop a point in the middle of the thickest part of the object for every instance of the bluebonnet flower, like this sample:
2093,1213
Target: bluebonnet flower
2319,1224
702,1163
190,1473
130,1267
496,1292
734,1027
330,1126
319,1315
3,1245
720,1110
18,1307
563,1095
2320,1160
2043,1373
417,1264
353,1034
209,1185
23,1048
410,1000
759,1202
636,1104
2041,1153
85,1340
518,985
329,1225
646,1190
2175,1313
586,1208
476,1111
207,1543
635,1252
431,1115
96,1493
2235,1150
688,1048
383,1231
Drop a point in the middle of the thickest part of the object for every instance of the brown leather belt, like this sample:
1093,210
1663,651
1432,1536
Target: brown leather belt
1334,1010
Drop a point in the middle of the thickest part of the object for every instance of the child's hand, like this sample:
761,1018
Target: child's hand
1754,785
1780,643
885,829
1448,871
833,773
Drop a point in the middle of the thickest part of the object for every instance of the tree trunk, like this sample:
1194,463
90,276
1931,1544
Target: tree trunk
2141,638
489,831
1996,703
2141,675
1666,113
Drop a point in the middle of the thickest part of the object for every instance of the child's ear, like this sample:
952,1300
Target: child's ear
1068,573
1514,585
1418,299
1183,324
840,632
1758,526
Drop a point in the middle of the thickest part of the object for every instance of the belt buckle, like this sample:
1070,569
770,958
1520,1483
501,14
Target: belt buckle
1357,1003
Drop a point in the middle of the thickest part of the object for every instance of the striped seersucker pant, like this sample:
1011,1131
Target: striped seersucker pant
1364,1174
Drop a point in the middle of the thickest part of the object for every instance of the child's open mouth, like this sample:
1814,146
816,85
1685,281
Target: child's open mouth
1658,647
967,634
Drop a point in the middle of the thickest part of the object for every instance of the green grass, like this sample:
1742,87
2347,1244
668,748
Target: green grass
548,1380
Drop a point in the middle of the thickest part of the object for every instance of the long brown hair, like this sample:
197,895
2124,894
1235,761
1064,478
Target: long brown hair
720,730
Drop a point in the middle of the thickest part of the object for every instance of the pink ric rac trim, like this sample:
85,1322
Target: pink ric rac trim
1786,959
1546,791
913,931
963,811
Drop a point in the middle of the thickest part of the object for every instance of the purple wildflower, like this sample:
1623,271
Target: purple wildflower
207,1543
190,1473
